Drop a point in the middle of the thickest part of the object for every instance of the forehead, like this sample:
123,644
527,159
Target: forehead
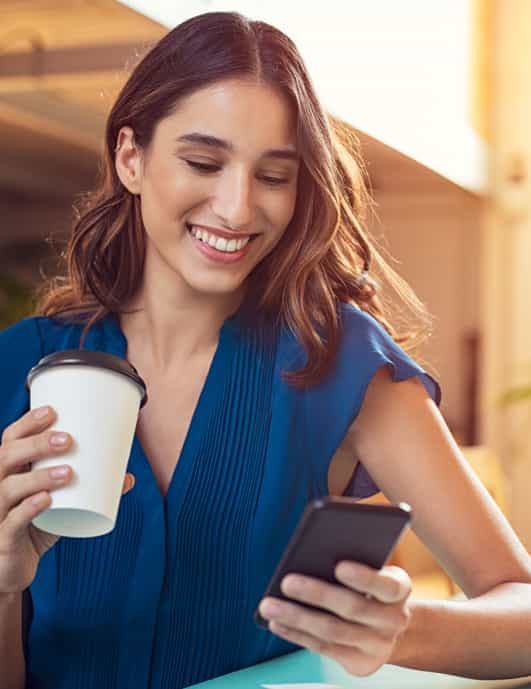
248,114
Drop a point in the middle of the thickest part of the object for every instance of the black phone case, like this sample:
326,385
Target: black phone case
334,529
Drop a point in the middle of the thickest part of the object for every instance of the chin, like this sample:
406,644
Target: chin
213,285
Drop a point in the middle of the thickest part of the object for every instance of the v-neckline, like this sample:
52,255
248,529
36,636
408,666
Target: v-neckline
215,380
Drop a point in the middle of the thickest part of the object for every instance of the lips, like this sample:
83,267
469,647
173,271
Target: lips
219,243
218,249
222,233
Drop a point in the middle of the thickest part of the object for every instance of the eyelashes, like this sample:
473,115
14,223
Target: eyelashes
209,169
203,167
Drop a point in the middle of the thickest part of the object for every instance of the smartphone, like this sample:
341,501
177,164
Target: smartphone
334,529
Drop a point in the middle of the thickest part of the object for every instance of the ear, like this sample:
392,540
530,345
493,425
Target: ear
128,160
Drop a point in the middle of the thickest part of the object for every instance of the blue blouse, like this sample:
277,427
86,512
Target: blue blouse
167,598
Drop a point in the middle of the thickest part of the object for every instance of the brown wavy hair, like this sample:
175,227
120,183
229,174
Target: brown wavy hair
325,256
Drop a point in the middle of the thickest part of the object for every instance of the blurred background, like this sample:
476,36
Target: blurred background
438,94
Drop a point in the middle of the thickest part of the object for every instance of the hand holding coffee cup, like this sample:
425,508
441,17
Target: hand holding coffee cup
24,494
97,398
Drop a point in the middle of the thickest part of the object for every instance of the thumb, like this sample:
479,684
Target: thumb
129,482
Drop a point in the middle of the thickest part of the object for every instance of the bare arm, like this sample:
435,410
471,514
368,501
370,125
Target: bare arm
11,649
404,443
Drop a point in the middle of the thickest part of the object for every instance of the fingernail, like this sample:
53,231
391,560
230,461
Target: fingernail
271,608
59,439
59,472
292,584
39,499
40,412
347,574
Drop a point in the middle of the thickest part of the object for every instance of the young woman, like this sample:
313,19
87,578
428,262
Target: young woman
224,255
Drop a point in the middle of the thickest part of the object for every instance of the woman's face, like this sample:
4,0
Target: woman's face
217,184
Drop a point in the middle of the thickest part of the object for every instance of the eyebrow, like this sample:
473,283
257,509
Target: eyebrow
213,141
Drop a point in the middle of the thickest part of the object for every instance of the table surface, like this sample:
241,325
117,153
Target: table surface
306,670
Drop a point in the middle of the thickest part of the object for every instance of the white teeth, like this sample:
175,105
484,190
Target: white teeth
219,243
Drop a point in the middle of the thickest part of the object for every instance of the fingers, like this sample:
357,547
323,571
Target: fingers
17,487
129,482
31,492
15,526
23,493
325,628
14,455
296,636
23,497
26,440
341,601
355,661
32,422
357,623
388,585
384,611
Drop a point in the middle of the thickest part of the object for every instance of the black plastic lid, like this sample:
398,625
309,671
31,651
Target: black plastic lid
86,357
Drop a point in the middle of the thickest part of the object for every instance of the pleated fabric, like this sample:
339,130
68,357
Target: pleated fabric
166,600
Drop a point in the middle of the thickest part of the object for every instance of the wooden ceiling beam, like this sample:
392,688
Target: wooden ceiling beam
46,127
105,80
94,65
44,62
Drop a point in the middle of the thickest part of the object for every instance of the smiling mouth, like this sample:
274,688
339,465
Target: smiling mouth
224,244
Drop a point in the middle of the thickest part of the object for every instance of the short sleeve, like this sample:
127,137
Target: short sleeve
333,405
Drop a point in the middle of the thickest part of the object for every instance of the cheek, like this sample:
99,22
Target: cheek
158,196
282,209
186,193
168,195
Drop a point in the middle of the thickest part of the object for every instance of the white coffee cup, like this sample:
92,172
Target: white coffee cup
97,398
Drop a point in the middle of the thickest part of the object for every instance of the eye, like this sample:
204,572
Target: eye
211,168
274,181
203,167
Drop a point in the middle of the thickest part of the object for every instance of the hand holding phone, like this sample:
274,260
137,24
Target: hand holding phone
335,529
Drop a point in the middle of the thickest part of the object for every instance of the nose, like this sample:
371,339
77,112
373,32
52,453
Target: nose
233,201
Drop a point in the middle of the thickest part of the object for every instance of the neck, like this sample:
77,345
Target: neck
165,329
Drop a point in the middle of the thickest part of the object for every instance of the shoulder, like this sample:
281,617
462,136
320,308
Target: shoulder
361,331
364,348
354,318
21,338
364,339
363,334
358,332
36,334
24,343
